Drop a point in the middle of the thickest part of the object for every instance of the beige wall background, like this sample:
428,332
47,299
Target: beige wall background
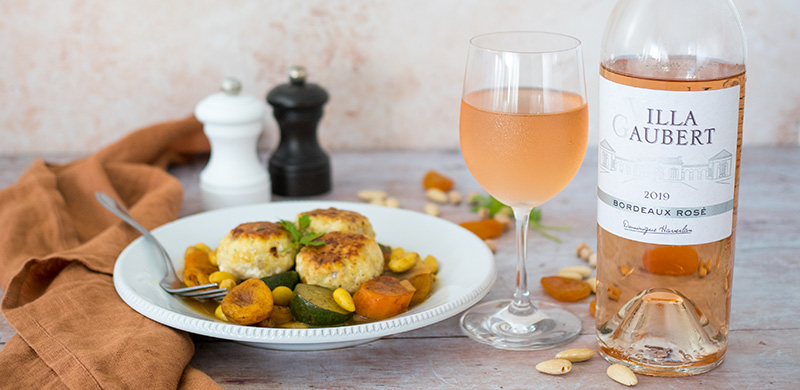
76,75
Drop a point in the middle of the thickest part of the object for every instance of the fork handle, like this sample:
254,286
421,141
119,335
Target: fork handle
120,211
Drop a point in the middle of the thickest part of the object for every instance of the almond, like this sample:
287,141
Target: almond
555,366
576,355
583,270
622,374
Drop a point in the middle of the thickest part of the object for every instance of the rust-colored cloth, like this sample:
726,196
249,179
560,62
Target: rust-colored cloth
57,252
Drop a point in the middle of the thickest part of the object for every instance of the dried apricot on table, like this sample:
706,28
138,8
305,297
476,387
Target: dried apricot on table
487,228
671,260
435,179
566,289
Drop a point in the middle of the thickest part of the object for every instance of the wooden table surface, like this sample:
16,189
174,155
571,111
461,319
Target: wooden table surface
764,339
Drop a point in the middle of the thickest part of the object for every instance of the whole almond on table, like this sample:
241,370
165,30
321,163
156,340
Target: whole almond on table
505,219
622,374
370,195
436,195
584,253
592,284
454,197
569,274
555,366
431,209
580,247
582,270
576,355
392,202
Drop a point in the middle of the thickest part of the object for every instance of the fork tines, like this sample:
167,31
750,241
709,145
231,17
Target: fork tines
204,294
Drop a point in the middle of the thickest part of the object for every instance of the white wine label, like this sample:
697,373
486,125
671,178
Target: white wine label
666,163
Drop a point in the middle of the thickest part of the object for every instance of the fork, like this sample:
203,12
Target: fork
170,281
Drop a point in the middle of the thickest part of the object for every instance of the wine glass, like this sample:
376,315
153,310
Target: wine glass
523,128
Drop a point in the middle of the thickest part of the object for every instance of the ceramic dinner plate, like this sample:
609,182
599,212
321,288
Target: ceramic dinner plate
466,273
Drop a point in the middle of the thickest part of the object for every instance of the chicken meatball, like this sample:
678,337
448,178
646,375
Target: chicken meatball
335,220
346,260
256,250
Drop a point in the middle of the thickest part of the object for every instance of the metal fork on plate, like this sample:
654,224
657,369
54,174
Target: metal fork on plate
171,282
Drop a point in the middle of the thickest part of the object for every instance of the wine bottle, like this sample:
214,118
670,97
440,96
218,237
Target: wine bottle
670,135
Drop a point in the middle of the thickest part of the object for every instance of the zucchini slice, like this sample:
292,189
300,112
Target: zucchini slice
314,305
288,279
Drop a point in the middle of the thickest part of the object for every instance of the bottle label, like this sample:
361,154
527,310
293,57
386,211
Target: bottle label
666,163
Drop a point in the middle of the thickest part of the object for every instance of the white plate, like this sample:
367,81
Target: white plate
466,273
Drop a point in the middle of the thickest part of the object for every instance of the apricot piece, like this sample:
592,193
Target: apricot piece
566,289
671,260
248,303
485,229
435,179
197,267
593,307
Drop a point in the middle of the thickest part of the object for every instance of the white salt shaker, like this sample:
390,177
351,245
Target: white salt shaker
232,122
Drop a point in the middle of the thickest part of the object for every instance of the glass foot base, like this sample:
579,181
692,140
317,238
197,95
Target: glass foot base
491,323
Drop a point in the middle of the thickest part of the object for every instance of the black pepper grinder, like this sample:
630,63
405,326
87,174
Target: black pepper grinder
299,166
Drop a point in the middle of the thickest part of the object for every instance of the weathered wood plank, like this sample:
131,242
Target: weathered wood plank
755,360
765,324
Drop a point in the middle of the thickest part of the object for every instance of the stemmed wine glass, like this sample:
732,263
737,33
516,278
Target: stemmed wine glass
523,128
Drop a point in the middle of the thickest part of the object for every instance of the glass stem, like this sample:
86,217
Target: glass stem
521,304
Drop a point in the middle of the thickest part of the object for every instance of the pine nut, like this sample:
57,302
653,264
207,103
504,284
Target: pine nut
593,260
584,253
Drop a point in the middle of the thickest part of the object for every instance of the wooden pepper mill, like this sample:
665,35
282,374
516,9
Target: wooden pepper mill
299,166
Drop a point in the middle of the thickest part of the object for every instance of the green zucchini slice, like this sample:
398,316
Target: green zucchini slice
288,279
314,305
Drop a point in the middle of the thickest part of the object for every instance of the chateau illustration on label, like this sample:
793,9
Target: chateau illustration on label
718,168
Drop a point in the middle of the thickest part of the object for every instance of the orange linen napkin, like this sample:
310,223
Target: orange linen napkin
57,252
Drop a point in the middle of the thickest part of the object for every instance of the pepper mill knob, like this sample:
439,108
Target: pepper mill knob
299,166
231,86
297,75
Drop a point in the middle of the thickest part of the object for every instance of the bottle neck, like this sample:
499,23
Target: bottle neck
677,39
